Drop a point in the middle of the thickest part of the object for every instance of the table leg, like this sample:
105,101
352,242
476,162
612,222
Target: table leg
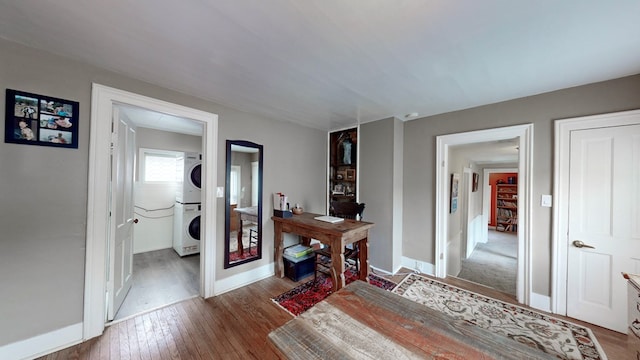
306,241
337,265
279,250
363,258
240,246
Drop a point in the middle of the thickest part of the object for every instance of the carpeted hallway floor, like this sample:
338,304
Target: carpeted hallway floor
493,264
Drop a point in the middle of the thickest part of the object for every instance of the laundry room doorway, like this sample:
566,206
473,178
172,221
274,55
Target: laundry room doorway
99,241
167,207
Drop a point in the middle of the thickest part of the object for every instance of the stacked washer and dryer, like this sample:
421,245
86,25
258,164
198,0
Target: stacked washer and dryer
186,216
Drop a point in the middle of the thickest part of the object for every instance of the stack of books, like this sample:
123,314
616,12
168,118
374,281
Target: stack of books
297,251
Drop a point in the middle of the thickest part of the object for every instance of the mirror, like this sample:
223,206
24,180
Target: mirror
243,203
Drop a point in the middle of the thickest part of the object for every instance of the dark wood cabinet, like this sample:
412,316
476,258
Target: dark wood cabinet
343,158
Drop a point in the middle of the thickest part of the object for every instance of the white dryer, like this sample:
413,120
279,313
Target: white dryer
189,189
186,229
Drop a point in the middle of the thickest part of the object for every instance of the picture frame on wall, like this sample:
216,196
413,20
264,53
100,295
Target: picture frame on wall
351,174
455,181
33,119
474,184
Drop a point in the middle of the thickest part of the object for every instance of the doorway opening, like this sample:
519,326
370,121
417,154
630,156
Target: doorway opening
162,273
523,135
103,102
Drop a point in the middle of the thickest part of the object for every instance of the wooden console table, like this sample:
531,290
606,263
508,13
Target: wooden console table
336,235
245,214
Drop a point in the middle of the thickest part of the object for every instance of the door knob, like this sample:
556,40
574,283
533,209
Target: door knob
135,221
580,244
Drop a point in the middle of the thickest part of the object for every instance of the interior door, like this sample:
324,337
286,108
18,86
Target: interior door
604,222
121,222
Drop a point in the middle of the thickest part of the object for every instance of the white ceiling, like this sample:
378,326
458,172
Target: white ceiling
490,152
154,120
335,63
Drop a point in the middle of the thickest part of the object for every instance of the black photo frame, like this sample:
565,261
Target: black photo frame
33,119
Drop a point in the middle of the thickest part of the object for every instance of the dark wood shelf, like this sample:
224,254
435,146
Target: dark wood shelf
337,149
507,207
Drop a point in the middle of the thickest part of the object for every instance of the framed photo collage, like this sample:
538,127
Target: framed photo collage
40,120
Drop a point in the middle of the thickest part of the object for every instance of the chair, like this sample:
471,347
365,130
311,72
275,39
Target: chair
253,238
345,210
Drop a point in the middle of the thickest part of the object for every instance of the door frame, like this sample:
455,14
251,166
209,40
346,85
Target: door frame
524,133
467,179
103,99
560,242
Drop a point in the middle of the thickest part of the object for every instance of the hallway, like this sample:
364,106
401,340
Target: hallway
494,263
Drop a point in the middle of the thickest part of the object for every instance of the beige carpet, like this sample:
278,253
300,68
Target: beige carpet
494,263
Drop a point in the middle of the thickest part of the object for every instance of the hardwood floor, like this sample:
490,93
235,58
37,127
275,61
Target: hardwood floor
234,326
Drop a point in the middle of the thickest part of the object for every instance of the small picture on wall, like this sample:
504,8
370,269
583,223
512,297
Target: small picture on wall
476,178
455,180
40,120
351,174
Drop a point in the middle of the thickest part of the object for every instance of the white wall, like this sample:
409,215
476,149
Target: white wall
154,206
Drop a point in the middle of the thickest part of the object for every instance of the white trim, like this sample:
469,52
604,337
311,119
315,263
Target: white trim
43,344
525,167
560,248
465,216
417,265
244,278
103,99
540,302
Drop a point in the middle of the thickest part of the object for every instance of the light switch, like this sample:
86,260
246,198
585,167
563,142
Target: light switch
545,201
220,191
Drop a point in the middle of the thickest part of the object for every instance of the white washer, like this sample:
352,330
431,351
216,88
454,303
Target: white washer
186,229
189,190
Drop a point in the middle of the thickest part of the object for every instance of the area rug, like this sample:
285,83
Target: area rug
247,253
303,297
560,338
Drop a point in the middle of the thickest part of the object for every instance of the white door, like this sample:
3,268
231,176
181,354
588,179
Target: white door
121,221
604,215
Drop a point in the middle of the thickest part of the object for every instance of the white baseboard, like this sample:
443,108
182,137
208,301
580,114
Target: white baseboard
243,279
43,344
540,302
418,265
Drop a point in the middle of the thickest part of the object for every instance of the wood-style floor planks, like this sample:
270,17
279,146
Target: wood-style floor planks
235,325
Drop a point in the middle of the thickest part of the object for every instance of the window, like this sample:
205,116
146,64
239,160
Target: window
160,166
234,184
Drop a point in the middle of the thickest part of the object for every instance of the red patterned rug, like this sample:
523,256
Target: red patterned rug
234,256
303,297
